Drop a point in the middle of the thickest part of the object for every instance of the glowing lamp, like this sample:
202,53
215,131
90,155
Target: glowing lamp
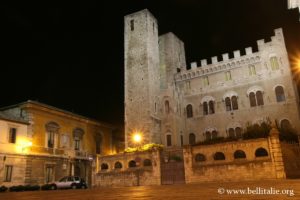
137,137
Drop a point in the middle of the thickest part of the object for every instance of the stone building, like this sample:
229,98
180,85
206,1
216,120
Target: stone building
14,141
53,142
294,4
188,110
174,106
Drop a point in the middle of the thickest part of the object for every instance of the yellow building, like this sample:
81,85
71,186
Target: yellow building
59,142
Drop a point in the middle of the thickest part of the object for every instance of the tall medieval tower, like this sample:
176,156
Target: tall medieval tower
142,77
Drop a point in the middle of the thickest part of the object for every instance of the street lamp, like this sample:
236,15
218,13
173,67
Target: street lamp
137,137
24,144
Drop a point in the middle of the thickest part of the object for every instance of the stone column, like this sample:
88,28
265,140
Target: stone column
156,166
188,163
276,154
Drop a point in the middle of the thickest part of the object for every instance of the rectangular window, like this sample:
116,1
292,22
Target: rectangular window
153,27
51,136
132,25
181,140
98,146
8,173
49,174
205,81
228,76
252,70
12,135
77,144
169,140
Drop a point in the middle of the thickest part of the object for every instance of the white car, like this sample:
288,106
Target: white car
69,182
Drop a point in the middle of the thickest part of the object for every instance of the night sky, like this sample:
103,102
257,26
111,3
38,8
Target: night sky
71,55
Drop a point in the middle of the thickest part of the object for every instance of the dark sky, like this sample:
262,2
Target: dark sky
71,55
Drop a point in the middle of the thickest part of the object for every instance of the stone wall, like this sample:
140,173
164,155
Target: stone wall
18,162
142,174
252,167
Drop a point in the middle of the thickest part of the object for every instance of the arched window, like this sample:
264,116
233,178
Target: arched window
238,132
200,157
239,154
261,152
147,162
228,104
167,107
77,136
118,165
205,81
205,108
214,134
274,63
208,135
234,103
252,99
131,164
219,156
228,76
192,138
52,129
211,107
285,124
252,70
104,166
279,92
169,140
189,111
231,133
260,99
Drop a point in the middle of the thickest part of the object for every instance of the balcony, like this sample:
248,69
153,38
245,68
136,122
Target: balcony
81,154
44,150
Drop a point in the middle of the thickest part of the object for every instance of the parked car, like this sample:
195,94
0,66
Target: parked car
67,182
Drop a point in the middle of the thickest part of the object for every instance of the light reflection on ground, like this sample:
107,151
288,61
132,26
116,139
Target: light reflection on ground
203,191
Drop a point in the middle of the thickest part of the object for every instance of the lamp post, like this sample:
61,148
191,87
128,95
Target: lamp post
24,145
137,139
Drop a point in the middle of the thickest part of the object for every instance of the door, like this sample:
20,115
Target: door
172,167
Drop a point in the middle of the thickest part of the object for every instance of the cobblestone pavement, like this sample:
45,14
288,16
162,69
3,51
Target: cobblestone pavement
203,191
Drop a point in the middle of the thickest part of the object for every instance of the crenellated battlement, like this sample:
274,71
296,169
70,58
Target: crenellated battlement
293,4
227,63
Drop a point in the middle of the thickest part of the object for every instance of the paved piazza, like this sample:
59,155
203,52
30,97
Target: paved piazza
209,191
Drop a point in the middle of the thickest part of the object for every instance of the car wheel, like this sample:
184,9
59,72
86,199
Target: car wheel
73,186
83,187
53,187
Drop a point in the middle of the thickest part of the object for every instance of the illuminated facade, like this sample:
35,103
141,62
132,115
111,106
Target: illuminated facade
294,4
174,106
14,143
51,143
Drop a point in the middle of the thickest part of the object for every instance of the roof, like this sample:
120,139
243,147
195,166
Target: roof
25,103
8,117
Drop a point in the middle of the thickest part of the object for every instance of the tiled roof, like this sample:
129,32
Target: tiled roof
8,117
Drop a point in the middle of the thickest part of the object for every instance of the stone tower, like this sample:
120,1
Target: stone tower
142,77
